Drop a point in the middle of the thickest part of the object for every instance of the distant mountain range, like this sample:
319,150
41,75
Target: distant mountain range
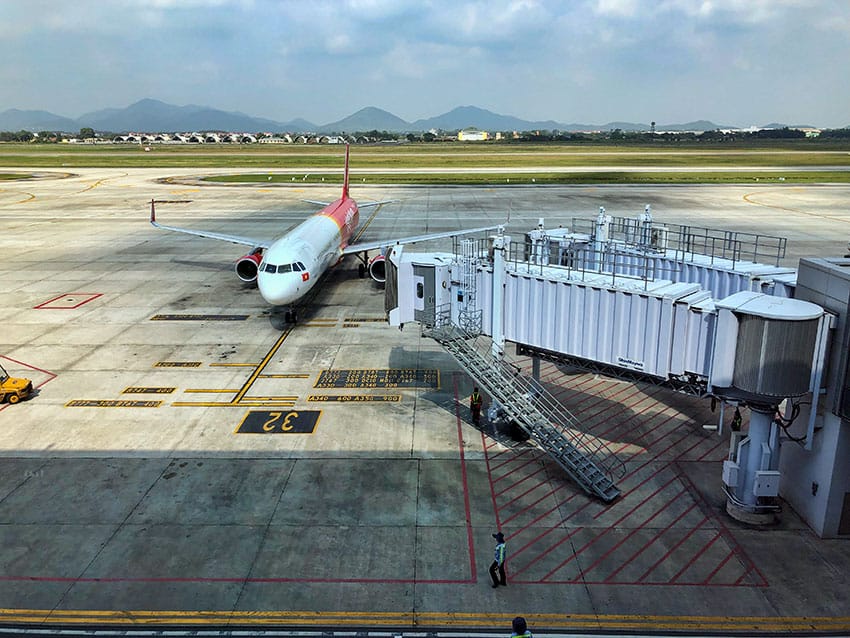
150,115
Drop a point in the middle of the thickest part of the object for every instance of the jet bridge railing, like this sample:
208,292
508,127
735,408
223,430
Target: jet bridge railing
687,242
582,261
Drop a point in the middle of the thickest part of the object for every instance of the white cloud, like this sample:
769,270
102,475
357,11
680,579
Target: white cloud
591,60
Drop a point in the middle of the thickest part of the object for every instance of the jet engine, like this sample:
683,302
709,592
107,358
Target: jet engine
248,265
377,268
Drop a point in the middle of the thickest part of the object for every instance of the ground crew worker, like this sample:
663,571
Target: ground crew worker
497,568
520,628
737,420
475,403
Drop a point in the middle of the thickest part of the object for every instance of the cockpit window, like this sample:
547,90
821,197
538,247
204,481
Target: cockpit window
285,268
270,268
301,266
297,267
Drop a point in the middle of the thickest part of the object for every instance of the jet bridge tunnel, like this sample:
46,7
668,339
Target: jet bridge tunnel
696,310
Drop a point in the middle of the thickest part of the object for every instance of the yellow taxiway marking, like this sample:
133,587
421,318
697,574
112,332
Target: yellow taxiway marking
148,390
426,619
109,403
177,364
259,369
29,198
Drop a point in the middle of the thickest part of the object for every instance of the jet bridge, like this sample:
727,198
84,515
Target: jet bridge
690,309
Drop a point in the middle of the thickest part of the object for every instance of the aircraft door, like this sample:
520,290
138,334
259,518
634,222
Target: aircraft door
424,297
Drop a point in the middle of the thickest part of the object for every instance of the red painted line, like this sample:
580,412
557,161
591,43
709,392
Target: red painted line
670,447
527,492
718,568
616,398
516,469
550,549
664,417
530,476
489,444
584,581
671,550
548,494
748,564
511,458
630,491
27,365
50,375
592,397
473,574
551,529
627,387
713,448
633,421
490,480
695,557
229,579
91,297
634,531
649,543
609,528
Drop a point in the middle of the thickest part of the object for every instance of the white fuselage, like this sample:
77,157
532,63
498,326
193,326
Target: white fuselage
294,263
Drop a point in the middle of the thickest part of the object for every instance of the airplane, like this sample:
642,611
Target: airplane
288,267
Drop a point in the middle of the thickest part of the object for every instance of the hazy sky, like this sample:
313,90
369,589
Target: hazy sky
737,62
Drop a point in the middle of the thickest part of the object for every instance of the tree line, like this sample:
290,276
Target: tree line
616,136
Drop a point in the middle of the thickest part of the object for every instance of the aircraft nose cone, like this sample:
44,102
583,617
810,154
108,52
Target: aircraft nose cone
277,289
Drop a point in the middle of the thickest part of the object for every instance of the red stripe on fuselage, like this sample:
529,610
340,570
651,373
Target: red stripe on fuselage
346,215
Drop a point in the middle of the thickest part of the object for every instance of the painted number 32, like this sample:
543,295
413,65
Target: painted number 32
280,419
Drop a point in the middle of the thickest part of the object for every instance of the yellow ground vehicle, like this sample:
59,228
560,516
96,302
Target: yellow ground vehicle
13,389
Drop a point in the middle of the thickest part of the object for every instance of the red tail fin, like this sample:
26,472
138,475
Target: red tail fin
345,182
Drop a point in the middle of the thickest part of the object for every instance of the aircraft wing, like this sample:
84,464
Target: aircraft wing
359,205
373,245
233,239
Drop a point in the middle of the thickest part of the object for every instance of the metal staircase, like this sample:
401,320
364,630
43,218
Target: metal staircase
587,459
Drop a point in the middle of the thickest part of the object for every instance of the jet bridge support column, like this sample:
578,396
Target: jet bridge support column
752,480
500,247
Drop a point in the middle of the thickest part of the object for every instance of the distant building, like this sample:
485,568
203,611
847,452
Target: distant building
472,135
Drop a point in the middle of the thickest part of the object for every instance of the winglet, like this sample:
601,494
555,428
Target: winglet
345,179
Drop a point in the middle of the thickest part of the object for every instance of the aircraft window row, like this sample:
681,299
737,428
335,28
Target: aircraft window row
273,268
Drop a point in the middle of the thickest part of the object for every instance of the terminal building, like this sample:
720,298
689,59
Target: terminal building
699,311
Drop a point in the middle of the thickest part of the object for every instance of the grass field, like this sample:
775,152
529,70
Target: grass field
803,161
595,177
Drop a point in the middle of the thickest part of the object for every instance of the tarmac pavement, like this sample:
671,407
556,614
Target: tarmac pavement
155,479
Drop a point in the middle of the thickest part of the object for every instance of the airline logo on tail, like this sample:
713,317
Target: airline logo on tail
345,179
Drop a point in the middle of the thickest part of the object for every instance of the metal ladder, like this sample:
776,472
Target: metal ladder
585,458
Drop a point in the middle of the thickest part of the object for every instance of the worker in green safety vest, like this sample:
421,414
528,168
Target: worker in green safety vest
497,567
520,628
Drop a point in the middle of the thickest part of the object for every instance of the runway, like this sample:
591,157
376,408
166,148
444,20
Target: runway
190,460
